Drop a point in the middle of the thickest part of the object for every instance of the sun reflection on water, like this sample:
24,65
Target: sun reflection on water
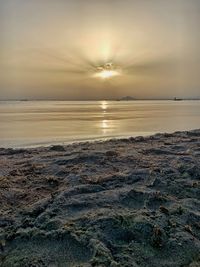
104,126
104,105
104,122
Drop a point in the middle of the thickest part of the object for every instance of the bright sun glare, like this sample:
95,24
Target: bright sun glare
106,71
105,74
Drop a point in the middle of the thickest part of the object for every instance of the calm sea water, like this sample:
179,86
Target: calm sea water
35,123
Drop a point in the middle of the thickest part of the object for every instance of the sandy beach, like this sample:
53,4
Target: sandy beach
126,202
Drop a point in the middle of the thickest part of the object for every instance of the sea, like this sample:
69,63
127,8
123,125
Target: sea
44,123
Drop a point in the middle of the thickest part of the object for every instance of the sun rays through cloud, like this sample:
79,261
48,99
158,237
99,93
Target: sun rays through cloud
95,49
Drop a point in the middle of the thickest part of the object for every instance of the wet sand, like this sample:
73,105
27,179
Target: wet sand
128,202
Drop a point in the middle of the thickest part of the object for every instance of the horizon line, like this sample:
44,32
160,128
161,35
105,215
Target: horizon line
104,99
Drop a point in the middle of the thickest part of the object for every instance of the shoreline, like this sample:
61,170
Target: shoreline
118,202
94,140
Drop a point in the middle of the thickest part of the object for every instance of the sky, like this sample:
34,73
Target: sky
52,49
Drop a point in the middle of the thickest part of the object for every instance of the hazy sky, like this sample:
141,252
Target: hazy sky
51,48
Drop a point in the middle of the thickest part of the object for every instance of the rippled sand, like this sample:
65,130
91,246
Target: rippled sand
128,202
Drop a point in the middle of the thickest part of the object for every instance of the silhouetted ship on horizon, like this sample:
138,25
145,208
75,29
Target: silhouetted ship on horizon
177,99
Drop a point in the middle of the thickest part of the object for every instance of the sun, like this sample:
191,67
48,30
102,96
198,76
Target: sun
106,74
106,71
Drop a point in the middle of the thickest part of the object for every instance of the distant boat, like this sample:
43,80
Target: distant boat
177,99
